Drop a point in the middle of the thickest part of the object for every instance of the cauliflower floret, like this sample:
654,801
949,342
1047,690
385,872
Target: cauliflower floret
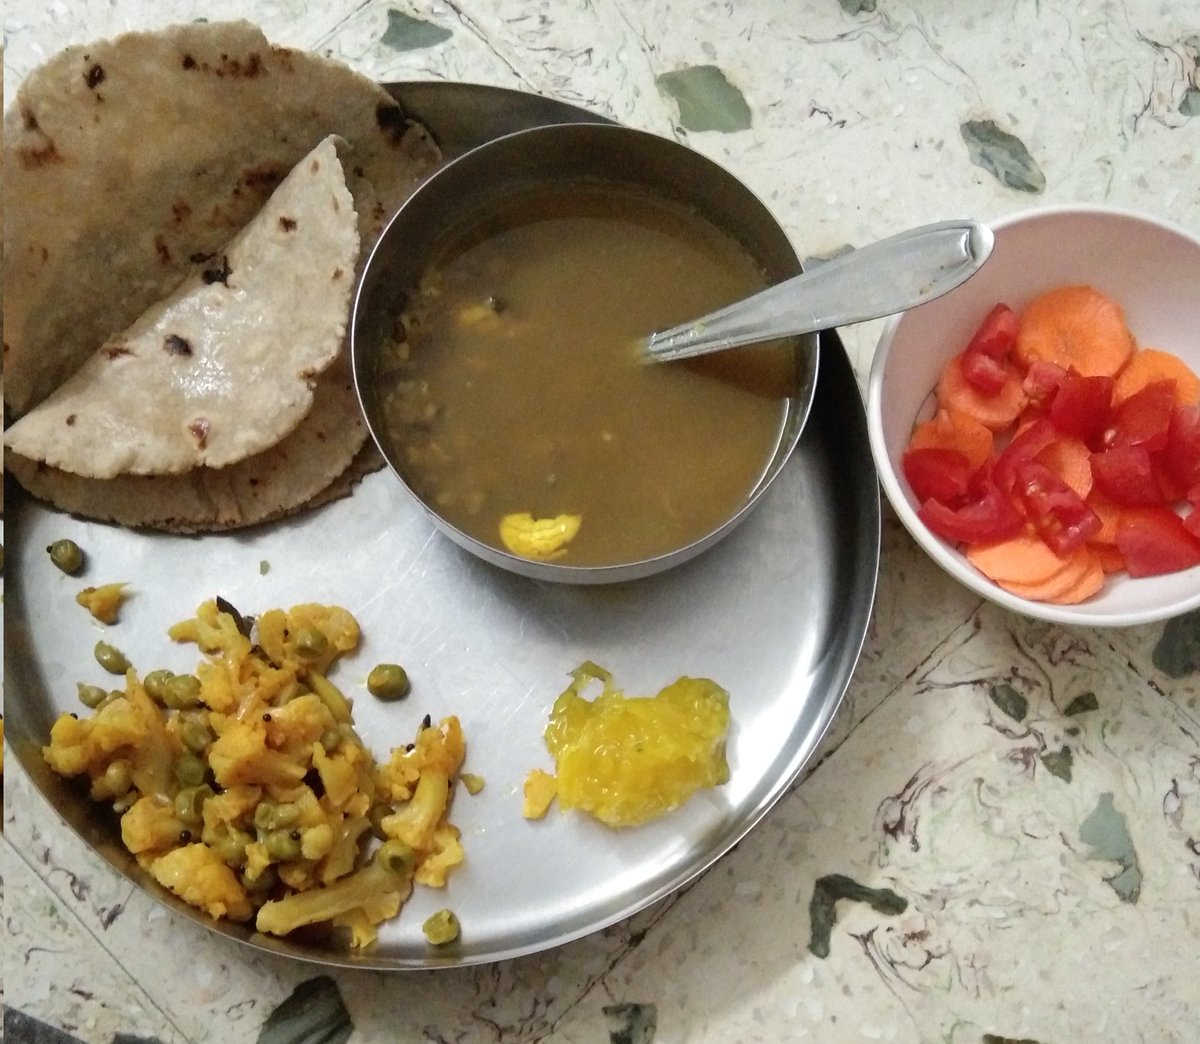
104,602
240,755
359,900
298,724
287,637
446,852
198,876
214,631
150,825
345,772
130,726
437,755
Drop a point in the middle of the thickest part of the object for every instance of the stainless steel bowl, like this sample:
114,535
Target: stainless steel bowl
466,189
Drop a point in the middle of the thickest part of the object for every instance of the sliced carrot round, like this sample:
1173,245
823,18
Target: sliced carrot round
1110,517
1075,326
1080,577
995,412
1109,556
952,429
1148,365
1023,559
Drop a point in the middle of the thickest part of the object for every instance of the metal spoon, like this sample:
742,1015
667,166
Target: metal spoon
881,279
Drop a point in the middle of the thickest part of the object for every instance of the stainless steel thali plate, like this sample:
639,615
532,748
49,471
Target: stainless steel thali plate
776,614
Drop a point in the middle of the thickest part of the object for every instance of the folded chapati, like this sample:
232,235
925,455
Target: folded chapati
125,159
321,460
223,368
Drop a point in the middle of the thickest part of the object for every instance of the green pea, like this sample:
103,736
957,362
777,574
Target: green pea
231,846
67,555
396,858
265,882
190,770
111,658
181,690
311,643
283,844
155,684
91,695
441,928
388,681
271,816
194,733
189,804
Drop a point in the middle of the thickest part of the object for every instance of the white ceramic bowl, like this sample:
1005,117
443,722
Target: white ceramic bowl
1152,268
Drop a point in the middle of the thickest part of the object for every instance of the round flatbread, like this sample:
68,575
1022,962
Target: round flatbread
222,368
318,462
124,159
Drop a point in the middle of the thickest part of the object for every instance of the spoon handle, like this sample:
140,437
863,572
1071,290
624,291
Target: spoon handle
880,279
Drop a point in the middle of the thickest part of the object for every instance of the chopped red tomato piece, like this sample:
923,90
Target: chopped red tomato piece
1192,522
1082,405
937,473
1181,458
1144,419
983,360
1041,381
1025,445
996,334
1126,475
1154,540
984,373
987,517
1060,515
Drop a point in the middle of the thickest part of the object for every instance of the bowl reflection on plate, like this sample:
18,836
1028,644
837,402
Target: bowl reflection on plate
1146,265
536,164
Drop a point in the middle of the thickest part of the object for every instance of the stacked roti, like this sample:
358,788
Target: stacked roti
187,210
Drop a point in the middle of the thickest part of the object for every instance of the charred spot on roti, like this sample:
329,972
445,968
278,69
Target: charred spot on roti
199,429
189,62
287,224
180,211
94,76
200,257
116,351
392,120
29,119
218,275
235,67
173,344
338,273
70,424
162,250
263,178
33,156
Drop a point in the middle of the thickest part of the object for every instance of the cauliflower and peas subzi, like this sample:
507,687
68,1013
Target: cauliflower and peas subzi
245,789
